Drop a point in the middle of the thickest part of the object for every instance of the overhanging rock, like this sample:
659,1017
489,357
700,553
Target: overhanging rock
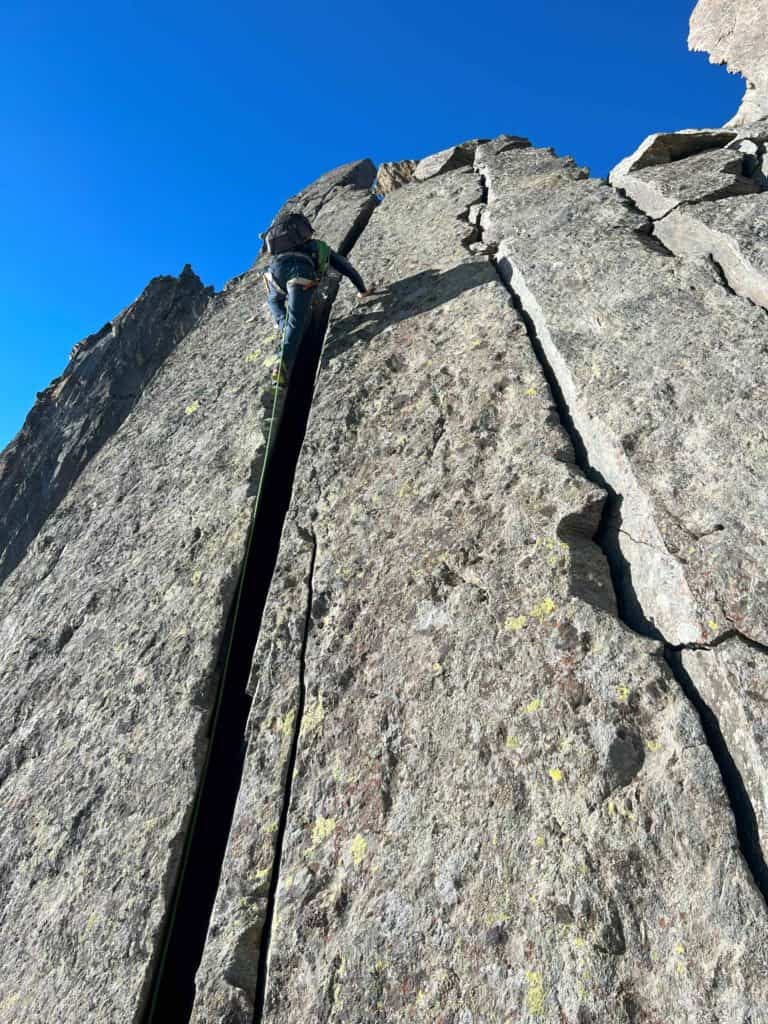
706,190
658,187
733,33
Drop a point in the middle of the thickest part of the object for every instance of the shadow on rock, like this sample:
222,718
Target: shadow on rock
402,300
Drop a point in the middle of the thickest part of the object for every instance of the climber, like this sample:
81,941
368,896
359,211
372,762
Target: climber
298,265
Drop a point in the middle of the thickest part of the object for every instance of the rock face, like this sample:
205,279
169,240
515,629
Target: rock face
394,175
112,643
682,446
82,408
733,33
706,192
452,708
659,187
465,775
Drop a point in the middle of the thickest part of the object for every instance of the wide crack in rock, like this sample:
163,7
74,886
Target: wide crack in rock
747,758
120,726
490,766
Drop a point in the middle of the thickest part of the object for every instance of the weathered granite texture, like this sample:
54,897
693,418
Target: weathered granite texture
733,232
733,33
736,675
394,175
447,160
83,407
713,174
707,192
501,805
708,203
317,200
111,633
685,444
664,373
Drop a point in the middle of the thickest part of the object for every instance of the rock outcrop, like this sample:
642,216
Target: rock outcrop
436,690
82,408
463,769
733,33
394,175
706,192
113,643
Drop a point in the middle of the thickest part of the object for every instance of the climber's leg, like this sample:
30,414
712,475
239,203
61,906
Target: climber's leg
298,313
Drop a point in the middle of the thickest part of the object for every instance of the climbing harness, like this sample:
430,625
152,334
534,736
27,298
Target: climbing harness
305,283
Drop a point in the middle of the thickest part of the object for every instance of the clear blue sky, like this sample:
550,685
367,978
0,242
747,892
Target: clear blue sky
138,136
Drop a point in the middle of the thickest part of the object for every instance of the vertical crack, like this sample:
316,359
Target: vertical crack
629,606
274,883
169,991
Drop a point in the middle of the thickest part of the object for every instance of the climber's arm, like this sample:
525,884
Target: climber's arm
345,267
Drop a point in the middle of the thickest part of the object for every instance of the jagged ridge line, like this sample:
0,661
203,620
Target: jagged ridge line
733,783
265,943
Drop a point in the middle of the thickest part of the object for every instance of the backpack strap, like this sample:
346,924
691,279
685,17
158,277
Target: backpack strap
323,257
270,279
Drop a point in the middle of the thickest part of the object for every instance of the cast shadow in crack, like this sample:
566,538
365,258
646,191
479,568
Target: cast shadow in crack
402,300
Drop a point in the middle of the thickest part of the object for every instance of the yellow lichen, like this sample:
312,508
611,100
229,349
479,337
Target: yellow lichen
535,998
437,668
358,849
313,714
253,356
555,774
285,725
543,609
323,827
512,743
515,623
533,706
652,745
622,693
193,407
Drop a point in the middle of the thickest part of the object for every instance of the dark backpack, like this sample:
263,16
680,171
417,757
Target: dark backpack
288,233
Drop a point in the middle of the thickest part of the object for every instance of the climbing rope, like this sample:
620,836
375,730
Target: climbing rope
220,695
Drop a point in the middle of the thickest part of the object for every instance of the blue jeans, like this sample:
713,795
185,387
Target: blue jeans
291,312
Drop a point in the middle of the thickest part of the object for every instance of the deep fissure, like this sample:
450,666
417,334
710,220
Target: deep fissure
169,996
631,612
274,882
